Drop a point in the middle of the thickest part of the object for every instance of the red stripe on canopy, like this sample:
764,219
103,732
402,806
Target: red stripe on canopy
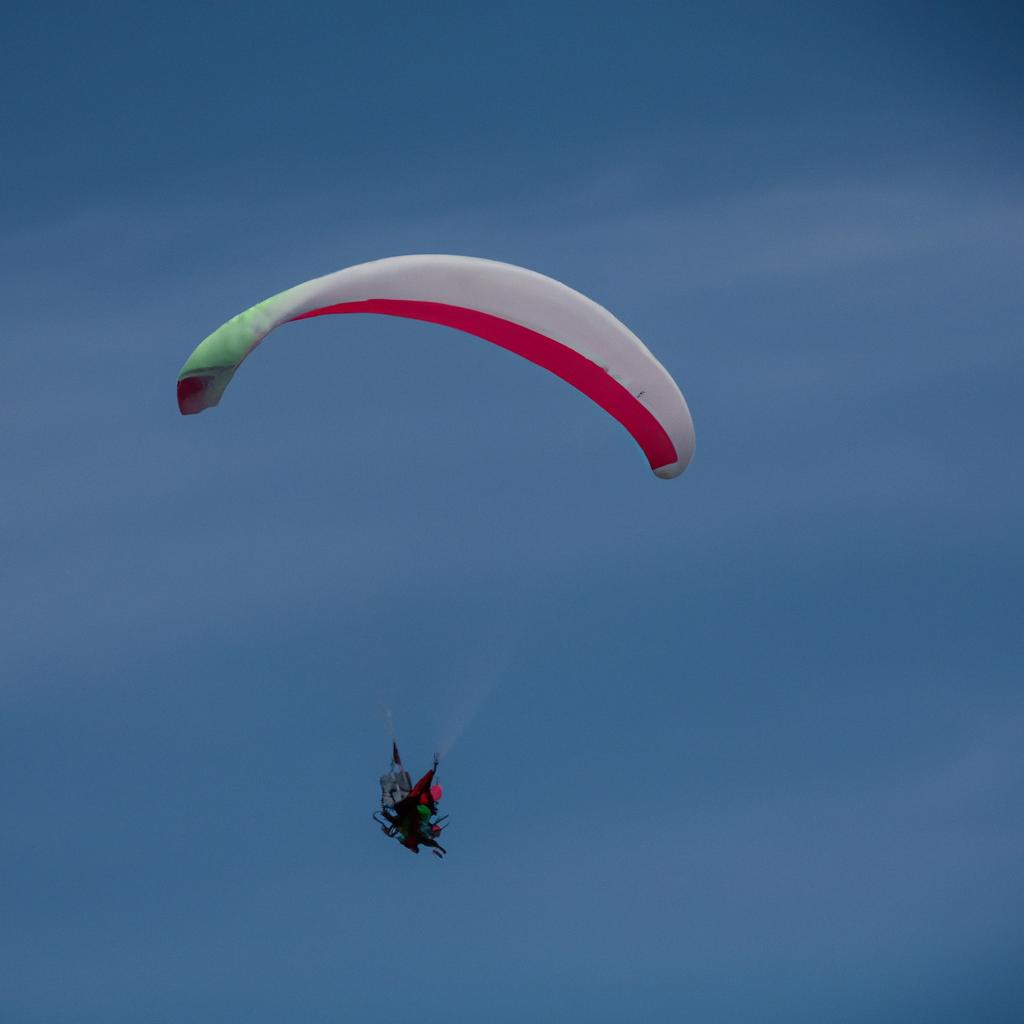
597,384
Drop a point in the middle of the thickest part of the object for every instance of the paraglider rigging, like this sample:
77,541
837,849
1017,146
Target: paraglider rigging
533,316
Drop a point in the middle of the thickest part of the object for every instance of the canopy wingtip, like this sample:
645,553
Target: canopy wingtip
196,394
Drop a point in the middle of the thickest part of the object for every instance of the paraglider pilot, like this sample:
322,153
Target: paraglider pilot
407,812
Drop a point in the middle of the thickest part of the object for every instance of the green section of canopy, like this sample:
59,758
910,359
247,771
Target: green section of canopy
231,342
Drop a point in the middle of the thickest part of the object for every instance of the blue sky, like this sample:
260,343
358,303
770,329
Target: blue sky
744,745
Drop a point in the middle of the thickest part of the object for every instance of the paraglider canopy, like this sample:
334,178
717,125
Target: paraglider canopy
534,316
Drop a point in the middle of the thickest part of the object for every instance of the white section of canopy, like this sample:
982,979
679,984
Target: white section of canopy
521,296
